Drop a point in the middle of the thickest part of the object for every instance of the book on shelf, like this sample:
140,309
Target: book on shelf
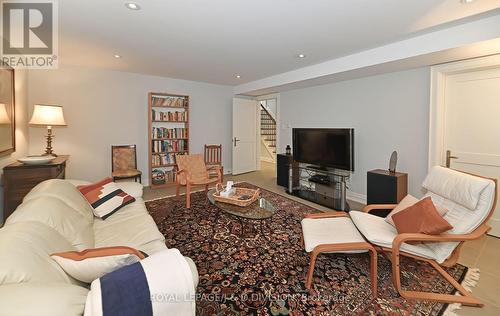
168,101
160,177
169,116
165,146
162,132
164,159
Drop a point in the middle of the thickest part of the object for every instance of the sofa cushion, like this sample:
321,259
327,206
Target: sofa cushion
91,264
459,187
132,227
66,192
42,299
25,250
60,216
105,197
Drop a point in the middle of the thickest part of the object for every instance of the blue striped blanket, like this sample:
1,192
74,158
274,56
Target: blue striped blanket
161,284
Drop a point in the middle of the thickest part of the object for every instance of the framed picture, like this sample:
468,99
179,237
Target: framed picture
7,111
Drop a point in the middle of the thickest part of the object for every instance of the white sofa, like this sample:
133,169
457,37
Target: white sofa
55,217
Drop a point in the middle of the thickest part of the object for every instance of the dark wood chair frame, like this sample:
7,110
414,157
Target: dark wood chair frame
135,162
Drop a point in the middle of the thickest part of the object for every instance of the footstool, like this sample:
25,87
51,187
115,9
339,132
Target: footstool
334,232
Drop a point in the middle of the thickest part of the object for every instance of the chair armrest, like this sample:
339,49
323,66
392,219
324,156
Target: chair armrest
401,238
371,207
326,215
179,172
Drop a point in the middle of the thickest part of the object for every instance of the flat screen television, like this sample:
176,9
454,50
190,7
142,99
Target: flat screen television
324,147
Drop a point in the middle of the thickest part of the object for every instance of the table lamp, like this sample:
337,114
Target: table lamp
48,116
4,117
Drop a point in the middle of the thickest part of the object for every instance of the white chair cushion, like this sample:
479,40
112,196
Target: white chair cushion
336,230
459,187
381,233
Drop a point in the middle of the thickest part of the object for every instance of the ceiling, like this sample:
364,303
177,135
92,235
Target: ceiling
213,41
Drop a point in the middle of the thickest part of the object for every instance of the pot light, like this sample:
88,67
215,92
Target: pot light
238,76
466,1
132,6
301,55
117,56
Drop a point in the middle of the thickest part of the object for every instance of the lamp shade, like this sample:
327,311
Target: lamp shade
47,115
4,117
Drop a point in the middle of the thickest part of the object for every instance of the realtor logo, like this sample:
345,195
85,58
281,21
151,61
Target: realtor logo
29,34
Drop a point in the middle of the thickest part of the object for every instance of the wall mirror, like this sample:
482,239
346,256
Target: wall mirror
7,111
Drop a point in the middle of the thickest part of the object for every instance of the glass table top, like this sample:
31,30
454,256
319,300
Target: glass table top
260,209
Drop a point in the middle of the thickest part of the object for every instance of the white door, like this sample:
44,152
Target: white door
472,126
244,135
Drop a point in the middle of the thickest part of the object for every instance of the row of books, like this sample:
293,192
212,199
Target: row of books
164,159
168,101
165,146
162,176
169,116
162,132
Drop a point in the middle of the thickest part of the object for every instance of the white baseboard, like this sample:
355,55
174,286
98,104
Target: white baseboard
356,197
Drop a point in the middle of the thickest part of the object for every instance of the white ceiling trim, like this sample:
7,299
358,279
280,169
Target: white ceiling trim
456,36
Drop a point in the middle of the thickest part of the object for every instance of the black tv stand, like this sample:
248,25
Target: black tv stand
316,167
323,186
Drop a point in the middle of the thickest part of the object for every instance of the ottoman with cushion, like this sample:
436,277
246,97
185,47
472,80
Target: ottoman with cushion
334,232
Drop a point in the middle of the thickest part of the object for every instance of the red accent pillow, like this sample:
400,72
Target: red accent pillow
422,217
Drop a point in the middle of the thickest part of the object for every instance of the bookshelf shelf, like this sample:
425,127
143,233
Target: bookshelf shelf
168,135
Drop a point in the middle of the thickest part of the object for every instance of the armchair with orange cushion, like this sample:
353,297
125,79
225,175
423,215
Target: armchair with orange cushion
192,171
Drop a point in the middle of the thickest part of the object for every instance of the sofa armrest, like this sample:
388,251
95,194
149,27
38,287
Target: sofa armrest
43,299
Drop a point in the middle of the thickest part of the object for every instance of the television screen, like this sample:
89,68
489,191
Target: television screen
332,148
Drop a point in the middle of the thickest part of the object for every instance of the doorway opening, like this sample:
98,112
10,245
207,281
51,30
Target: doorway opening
268,130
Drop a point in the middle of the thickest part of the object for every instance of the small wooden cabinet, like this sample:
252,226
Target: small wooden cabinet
385,187
19,179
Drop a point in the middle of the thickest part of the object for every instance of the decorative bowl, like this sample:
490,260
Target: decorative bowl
36,160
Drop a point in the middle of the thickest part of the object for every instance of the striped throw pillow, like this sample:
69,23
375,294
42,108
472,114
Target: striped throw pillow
105,197
91,264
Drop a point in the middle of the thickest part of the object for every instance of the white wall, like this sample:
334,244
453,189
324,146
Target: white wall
21,101
388,112
104,107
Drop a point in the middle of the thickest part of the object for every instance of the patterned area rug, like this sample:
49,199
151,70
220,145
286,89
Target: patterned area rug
252,268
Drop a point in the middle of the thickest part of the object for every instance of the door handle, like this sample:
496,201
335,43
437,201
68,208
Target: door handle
449,157
235,140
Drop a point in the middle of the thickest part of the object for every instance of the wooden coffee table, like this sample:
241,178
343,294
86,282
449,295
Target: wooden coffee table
254,214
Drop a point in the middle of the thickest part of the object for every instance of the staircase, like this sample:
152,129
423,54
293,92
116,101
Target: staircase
268,133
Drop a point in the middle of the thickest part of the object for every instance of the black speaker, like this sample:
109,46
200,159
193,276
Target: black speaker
384,187
282,169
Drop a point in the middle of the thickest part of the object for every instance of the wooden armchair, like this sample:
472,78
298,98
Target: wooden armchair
213,157
124,163
192,171
471,201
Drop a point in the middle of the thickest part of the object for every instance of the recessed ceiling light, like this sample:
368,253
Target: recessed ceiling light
132,6
466,1
117,56
238,76
301,55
